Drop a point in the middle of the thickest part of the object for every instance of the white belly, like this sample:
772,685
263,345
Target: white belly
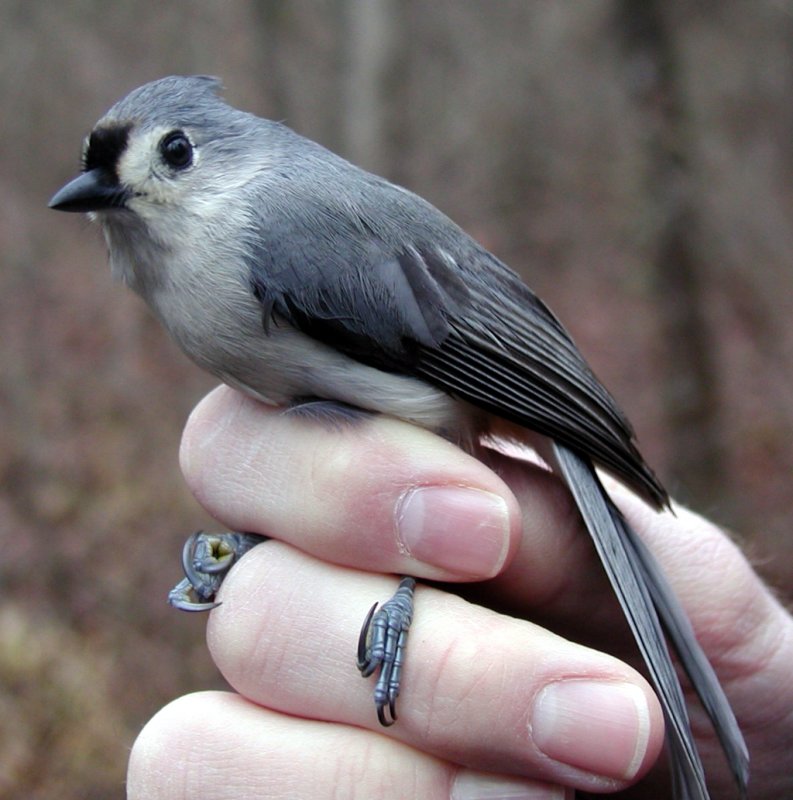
228,339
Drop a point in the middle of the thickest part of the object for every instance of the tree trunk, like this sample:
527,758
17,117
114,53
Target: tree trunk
691,391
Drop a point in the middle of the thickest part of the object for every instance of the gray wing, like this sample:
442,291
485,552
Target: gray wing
508,354
408,291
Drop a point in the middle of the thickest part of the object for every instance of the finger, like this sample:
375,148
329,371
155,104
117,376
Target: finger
219,745
731,609
745,631
377,494
496,693
554,573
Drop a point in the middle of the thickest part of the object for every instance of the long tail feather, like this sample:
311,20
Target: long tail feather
696,665
629,579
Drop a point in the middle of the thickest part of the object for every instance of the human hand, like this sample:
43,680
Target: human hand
490,703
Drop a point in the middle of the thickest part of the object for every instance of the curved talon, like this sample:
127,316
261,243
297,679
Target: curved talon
365,664
193,577
383,719
179,597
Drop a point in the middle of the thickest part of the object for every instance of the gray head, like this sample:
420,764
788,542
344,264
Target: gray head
172,170
171,144
168,163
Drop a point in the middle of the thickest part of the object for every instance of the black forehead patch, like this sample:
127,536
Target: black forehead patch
105,146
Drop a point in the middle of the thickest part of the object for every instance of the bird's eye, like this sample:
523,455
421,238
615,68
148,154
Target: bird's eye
176,149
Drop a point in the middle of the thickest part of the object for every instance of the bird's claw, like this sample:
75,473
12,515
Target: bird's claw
382,644
206,559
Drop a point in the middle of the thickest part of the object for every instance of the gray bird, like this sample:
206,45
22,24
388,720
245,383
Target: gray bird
305,282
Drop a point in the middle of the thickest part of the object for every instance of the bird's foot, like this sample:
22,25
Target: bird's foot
206,559
382,644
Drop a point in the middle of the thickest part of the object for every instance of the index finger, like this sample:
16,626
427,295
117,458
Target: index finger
373,493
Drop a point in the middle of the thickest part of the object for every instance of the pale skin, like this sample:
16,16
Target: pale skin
493,706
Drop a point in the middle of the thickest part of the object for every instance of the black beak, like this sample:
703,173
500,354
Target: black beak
91,191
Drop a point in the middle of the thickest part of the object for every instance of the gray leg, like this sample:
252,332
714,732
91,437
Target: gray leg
382,644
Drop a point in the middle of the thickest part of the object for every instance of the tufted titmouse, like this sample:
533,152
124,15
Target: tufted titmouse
306,282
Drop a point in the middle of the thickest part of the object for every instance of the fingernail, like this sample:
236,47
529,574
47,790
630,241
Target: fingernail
459,529
470,785
600,727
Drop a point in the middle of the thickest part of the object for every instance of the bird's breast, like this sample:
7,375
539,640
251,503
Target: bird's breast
218,323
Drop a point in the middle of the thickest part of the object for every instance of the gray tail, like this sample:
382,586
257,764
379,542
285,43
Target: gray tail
645,595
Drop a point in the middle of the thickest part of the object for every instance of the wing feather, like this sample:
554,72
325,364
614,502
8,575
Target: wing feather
405,290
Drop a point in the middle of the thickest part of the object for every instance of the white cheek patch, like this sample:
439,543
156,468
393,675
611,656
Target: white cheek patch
142,170
135,164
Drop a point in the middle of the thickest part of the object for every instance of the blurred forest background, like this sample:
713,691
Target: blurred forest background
633,159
